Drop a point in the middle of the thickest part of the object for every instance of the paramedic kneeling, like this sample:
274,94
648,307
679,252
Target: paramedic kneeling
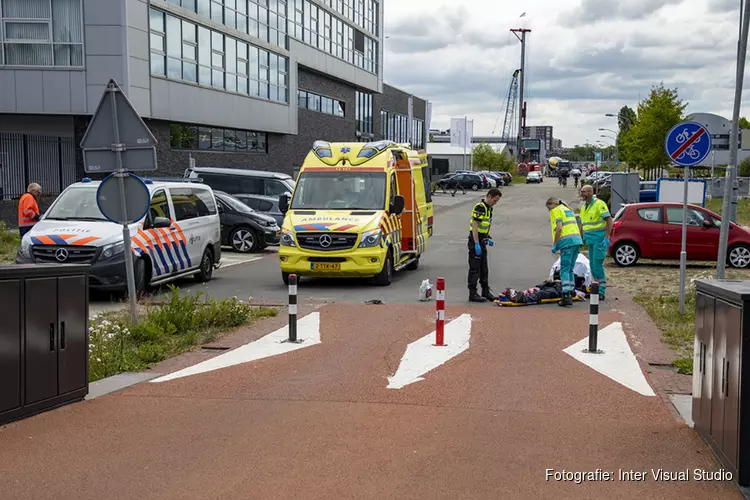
479,238
596,225
566,239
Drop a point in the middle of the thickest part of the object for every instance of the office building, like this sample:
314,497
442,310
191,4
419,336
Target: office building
230,83
543,133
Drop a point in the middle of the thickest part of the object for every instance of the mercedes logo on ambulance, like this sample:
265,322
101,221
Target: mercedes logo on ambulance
325,241
61,254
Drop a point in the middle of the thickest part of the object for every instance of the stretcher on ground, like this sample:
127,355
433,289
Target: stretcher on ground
543,301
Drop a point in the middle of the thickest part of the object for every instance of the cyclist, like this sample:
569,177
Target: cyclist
563,175
576,177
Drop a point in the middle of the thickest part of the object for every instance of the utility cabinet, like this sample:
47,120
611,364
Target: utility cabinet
43,338
721,372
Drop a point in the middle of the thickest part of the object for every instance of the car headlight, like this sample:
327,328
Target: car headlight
112,250
371,239
287,238
24,250
269,223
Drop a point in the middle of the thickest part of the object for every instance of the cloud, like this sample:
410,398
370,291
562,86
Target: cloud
723,5
462,58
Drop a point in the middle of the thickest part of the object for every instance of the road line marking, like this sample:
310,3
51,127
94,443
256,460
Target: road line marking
233,262
423,356
618,361
308,330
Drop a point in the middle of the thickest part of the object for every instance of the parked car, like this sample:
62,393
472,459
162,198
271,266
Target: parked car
462,181
648,192
238,181
534,178
268,205
507,178
244,229
654,231
493,179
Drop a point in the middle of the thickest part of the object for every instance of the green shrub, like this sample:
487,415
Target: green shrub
116,345
9,241
604,194
744,170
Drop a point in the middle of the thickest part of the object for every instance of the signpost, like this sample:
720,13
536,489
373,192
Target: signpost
598,158
687,144
117,140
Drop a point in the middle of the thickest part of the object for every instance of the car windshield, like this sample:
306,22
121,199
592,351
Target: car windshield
350,190
76,203
236,204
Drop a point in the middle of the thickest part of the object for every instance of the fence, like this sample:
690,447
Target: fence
47,160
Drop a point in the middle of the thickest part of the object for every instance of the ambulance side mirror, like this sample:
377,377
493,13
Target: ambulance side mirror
398,205
284,203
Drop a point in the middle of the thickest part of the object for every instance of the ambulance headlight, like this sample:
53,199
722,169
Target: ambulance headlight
371,239
287,238
112,250
24,250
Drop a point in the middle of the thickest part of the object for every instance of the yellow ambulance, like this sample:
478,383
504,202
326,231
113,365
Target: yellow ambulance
359,210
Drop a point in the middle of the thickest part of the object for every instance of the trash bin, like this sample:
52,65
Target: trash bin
721,372
44,350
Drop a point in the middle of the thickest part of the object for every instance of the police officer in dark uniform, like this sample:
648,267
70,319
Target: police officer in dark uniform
479,239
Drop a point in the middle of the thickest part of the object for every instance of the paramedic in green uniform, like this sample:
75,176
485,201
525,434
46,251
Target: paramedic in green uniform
596,226
566,239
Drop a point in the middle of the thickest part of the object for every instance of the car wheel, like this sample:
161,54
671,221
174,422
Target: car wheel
626,254
206,270
385,277
141,278
244,240
474,187
739,256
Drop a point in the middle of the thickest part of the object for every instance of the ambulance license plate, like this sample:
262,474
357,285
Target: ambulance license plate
325,267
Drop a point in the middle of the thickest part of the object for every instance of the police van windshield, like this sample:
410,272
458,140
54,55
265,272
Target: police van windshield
340,191
78,203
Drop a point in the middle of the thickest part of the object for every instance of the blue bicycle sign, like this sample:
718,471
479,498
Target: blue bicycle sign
688,143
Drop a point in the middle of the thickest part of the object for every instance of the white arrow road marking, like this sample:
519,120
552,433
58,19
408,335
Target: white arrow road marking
308,330
618,362
422,356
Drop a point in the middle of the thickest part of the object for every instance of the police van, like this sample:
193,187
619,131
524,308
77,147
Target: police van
179,236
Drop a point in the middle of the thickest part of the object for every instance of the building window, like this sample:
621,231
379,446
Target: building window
395,127
41,33
181,50
322,104
364,113
212,139
319,28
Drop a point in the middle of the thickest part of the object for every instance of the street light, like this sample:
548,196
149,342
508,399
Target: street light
619,116
617,146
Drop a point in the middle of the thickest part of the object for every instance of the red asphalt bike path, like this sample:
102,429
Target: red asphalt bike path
319,423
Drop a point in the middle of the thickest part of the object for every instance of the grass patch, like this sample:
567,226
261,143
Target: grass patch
677,330
9,241
743,209
117,345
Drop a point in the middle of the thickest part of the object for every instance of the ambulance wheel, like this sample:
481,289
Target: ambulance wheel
414,265
385,277
206,269
285,277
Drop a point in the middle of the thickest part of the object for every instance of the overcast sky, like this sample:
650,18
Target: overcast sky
584,58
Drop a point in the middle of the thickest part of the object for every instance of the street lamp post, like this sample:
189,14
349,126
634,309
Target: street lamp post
617,147
619,117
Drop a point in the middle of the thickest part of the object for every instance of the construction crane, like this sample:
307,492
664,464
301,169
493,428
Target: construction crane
510,108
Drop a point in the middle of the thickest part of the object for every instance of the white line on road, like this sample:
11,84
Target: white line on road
423,356
233,262
308,330
618,362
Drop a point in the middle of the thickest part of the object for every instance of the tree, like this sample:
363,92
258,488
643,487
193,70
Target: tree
485,156
744,123
643,142
744,169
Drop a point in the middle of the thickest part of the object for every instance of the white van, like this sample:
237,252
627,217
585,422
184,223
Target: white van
179,236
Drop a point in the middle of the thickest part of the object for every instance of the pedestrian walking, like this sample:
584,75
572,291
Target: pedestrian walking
596,226
28,209
479,240
566,239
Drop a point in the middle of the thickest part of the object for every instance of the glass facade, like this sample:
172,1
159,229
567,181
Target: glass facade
363,113
322,104
395,127
181,50
213,139
41,33
363,13
316,26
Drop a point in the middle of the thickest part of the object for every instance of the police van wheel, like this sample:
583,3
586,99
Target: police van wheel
206,270
414,265
385,277
141,278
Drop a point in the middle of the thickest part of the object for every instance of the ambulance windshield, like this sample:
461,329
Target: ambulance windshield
76,203
350,190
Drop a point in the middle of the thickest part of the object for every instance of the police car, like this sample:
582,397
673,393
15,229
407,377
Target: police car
179,236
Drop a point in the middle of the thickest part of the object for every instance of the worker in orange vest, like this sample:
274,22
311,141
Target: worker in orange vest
28,209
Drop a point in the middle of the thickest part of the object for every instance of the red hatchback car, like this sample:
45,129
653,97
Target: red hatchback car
654,231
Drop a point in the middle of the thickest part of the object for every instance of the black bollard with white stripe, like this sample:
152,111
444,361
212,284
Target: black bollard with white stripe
292,308
594,319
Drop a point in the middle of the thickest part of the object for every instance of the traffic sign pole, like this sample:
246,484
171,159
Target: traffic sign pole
120,174
687,144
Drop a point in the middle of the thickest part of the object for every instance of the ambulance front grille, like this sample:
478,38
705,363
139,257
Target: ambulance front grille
320,241
68,254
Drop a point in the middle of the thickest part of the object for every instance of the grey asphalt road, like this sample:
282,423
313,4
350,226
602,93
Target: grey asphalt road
521,257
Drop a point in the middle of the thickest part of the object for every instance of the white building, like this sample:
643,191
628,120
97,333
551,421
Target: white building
720,128
444,158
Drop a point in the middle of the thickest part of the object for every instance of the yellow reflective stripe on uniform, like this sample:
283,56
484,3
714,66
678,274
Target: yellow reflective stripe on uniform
485,220
592,215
